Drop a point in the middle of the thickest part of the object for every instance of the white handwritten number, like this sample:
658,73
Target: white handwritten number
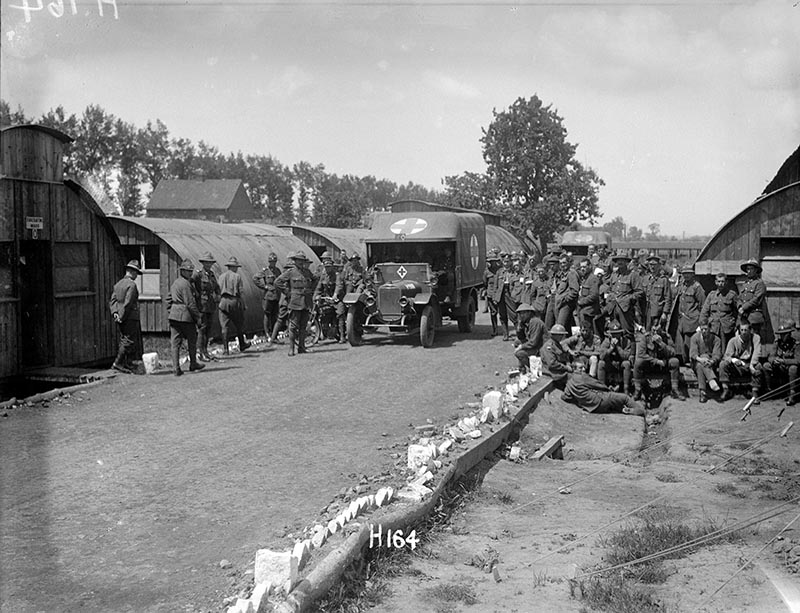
57,8
27,8
113,3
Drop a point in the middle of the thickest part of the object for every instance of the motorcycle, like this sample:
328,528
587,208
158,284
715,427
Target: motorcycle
322,322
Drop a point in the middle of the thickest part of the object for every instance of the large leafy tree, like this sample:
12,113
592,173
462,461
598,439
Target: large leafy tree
470,190
539,184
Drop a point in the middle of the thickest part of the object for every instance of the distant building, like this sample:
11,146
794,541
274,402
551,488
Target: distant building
219,200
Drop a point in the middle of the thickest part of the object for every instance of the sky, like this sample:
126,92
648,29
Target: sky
685,109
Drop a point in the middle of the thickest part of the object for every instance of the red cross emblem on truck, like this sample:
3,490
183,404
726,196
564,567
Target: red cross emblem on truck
409,225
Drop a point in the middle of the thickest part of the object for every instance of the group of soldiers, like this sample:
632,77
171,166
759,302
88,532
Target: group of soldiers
622,306
197,295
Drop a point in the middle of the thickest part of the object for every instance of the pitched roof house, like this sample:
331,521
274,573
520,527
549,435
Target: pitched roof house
210,199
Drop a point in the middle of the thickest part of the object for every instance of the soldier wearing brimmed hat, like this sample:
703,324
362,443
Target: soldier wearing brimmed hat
183,316
617,353
331,288
206,287
353,279
231,305
503,292
298,285
751,295
265,280
530,335
624,291
689,300
720,309
556,359
783,360
124,305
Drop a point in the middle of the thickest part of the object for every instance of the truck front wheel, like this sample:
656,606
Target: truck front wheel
465,322
355,333
427,326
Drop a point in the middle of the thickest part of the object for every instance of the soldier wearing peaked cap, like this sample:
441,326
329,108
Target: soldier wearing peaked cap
657,293
720,309
783,360
265,280
183,316
206,288
298,285
624,290
231,305
751,296
124,306
490,279
689,301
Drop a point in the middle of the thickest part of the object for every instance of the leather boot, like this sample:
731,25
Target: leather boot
494,326
176,361
275,330
342,331
504,327
225,349
637,386
291,344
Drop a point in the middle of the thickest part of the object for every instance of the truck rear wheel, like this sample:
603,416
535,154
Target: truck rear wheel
465,322
355,333
427,326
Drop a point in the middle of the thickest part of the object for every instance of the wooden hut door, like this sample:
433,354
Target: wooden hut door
37,297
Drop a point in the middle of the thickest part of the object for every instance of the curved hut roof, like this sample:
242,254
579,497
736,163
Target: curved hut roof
502,240
332,239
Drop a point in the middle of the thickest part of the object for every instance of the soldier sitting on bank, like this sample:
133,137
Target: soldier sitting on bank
595,397
530,335
705,352
587,344
617,353
741,359
655,354
555,359
783,361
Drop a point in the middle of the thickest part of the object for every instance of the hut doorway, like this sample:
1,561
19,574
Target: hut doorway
37,299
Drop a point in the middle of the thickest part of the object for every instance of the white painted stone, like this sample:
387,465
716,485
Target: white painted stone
260,597
371,499
492,400
536,367
445,446
475,434
341,520
418,455
354,509
272,566
301,553
437,464
150,362
333,526
319,538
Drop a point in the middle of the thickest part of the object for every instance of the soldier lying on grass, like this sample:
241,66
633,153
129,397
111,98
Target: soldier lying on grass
595,397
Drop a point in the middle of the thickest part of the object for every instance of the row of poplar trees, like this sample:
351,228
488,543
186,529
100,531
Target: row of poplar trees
532,176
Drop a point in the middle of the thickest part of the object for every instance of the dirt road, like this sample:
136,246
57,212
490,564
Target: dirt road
126,497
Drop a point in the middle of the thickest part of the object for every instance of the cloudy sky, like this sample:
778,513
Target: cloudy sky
686,109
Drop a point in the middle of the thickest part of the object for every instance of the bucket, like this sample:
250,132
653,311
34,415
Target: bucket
150,361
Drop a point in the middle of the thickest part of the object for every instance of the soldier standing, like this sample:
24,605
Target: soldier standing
124,305
783,360
328,288
352,279
624,289
566,294
206,288
589,297
183,316
298,285
720,310
690,299
265,280
490,279
231,306
657,293
751,296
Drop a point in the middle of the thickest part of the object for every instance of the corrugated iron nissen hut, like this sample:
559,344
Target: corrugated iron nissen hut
332,240
161,244
769,231
59,259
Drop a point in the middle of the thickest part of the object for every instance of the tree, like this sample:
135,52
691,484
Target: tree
615,227
306,181
11,118
470,190
654,231
539,183
634,234
130,174
153,149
